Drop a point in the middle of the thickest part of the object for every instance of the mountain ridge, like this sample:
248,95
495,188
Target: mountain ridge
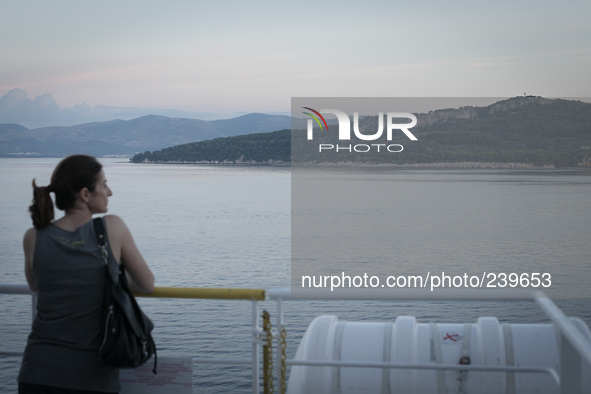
524,129
127,137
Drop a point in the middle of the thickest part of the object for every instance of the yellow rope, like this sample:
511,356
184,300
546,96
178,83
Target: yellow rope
267,355
283,335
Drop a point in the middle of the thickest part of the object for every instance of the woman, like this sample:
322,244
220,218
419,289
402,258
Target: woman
63,265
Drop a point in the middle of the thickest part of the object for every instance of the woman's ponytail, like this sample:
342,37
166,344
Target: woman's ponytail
71,175
42,207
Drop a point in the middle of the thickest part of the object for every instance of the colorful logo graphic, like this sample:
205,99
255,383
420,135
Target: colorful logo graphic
348,130
316,118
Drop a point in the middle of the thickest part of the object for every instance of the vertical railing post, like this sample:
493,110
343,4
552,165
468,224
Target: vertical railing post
574,347
255,347
280,326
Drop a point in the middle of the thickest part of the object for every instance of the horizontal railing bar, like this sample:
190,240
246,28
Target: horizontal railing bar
196,360
208,293
450,367
6,288
446,294
225,361
171,292
286,293
11,354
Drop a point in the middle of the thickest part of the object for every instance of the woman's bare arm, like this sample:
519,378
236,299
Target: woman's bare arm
126,252
29,249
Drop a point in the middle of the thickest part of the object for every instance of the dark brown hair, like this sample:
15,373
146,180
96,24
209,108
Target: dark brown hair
70,176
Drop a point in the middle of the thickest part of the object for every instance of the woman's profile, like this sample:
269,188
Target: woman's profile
63,265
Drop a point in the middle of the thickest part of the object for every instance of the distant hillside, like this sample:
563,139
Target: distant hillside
525,130
120,137
270,148
532,130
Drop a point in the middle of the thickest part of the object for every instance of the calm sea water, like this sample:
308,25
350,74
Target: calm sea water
230,226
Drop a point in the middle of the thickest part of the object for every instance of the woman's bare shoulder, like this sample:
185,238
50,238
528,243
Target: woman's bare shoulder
112,218
117,229
114,222
30,235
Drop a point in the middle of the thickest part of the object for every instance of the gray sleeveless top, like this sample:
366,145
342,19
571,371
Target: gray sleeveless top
62,349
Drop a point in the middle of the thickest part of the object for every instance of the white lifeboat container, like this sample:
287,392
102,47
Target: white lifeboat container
484,343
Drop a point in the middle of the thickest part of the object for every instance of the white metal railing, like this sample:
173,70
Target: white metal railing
253,295
575,348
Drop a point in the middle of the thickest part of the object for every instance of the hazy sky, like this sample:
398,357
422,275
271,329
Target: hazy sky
253,56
